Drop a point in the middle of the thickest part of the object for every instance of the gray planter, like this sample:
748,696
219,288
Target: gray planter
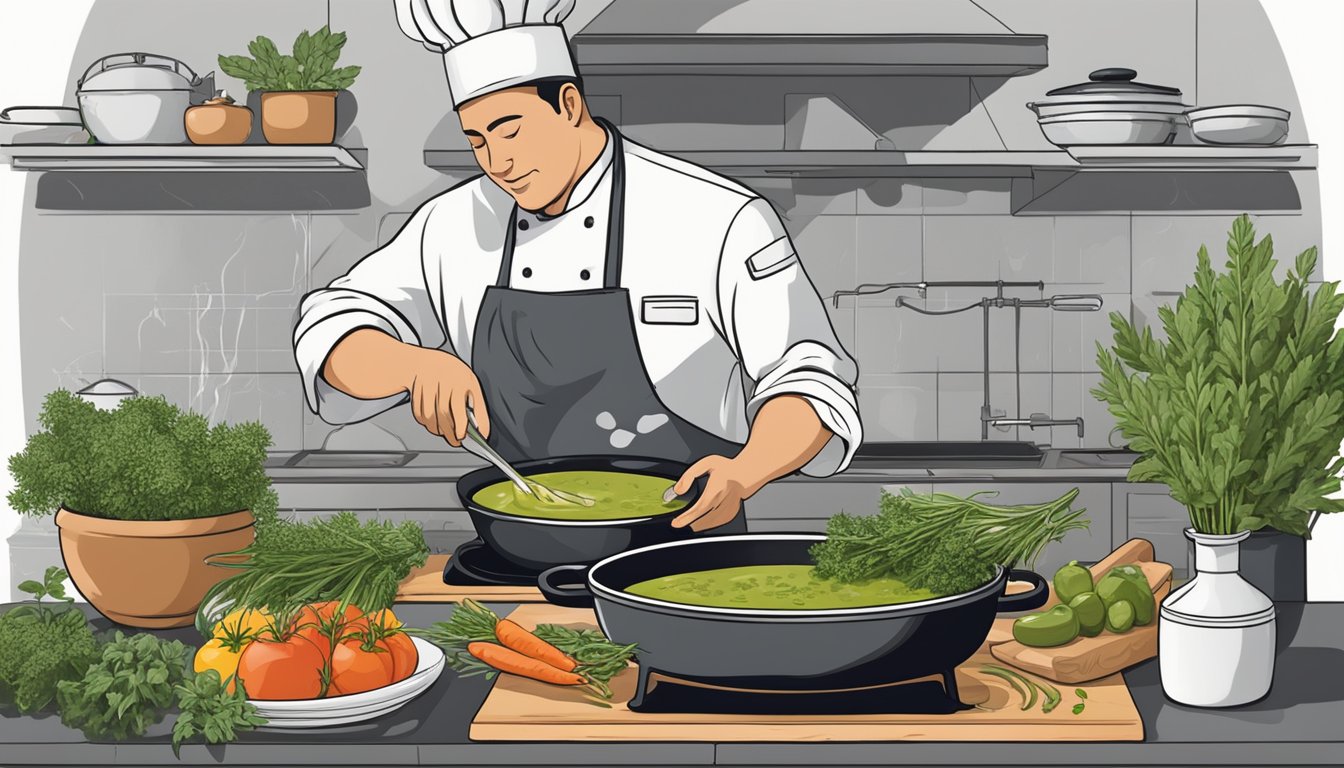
1276,563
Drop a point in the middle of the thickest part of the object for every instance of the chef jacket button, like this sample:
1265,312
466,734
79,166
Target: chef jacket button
588,222
522,224
584,275
527,271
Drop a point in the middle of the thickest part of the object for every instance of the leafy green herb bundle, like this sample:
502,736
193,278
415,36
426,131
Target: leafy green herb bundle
338,558
1241,410
208,709
145,460
940,542
130,688
312,67
41,646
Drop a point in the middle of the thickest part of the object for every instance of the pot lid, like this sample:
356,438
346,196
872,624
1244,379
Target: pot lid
1115,80
138,72
108,387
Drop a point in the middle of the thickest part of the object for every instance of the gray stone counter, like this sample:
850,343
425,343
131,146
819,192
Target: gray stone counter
1297,724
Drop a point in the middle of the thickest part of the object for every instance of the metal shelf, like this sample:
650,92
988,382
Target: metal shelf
179,157
885,163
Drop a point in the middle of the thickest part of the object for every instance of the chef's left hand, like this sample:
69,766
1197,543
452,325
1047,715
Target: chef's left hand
730,482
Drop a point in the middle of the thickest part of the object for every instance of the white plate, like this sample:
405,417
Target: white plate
356,707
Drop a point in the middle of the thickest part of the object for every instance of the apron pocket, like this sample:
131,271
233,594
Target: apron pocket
670,310
773,258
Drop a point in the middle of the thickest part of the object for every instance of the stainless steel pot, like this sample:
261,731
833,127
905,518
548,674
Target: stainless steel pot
139,98
1109,109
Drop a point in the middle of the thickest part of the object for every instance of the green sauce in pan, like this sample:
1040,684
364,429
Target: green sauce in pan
618,495
775,587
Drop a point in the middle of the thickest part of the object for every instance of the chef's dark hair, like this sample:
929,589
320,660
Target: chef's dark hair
549,89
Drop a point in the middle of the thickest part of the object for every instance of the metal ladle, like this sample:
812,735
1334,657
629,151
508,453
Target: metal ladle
477,446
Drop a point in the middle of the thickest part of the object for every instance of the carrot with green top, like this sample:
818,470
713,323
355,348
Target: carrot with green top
515,663
514,637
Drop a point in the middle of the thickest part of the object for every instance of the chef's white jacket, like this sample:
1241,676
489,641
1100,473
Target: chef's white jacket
724,314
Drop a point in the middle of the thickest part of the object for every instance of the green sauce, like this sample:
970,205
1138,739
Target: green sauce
618,495
775,587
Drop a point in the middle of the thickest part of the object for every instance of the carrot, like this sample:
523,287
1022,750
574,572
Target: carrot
516,638
513,662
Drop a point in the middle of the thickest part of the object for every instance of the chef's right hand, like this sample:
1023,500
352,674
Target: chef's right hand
441,389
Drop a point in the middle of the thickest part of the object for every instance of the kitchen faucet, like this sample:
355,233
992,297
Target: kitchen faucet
1058,303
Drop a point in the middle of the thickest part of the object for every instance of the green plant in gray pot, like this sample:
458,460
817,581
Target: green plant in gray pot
1240,412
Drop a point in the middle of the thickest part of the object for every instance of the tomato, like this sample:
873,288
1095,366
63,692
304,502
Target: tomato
285,669
318,624
250,622
384,618
405,657
218,654
355,669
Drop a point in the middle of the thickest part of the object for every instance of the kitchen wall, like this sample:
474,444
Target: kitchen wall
186,284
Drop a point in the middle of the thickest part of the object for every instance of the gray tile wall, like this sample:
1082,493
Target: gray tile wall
199,305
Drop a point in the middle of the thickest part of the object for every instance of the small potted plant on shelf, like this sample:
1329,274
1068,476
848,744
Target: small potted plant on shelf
1240,413
298,90
143,495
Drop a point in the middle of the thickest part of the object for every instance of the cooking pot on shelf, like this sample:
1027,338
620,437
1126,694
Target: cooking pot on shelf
140,98
537,543
1110,109
779,650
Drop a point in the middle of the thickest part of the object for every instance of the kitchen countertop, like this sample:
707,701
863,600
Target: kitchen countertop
1297,724
1069,465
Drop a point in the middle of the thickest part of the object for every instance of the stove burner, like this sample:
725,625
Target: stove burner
668,695
474,564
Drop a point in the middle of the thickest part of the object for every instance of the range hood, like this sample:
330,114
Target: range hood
804,37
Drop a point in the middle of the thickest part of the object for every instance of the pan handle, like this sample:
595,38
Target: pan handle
557,586
1023,601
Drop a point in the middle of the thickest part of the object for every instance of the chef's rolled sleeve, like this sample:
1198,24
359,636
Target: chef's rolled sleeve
386,291
776,322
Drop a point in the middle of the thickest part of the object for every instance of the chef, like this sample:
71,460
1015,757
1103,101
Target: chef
585,294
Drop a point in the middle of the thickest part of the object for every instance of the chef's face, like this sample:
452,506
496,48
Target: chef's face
528,149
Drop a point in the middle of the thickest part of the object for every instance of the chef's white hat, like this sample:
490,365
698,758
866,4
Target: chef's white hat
490,45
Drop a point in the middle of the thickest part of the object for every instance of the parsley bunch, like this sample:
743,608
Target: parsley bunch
130,688
40,647
940,542
210,710
1241,411
146,460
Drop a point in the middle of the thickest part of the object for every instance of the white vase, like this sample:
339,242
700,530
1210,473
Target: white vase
1216,633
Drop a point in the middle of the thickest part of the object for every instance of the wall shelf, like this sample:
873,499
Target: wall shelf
989,164
183,157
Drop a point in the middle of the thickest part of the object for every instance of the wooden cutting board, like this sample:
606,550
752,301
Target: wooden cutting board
1090,658
518,709
425,585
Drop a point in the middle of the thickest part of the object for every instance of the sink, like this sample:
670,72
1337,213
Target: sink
1118,459
948,453
350,459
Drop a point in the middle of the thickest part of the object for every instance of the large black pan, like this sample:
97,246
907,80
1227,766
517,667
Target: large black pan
535,544
777,650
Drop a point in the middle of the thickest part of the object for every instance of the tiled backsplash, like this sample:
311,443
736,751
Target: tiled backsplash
199,306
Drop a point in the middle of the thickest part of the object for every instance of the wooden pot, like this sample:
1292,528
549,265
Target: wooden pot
299,117
150,574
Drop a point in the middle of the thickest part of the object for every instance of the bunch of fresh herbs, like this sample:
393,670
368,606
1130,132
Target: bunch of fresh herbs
940,542
145,460
311,67
337,558
131,687
40,646
1241,410
210,710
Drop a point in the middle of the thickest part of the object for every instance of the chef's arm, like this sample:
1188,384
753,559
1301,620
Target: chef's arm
346,332
785,436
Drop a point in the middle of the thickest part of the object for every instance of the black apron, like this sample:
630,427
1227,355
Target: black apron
562,373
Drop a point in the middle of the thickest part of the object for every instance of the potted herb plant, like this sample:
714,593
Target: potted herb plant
298,90
1240,413
143,494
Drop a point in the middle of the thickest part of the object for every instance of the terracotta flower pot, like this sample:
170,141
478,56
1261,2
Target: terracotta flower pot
299,117
150,574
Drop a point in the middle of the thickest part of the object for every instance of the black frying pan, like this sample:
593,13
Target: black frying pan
535,544
774,649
